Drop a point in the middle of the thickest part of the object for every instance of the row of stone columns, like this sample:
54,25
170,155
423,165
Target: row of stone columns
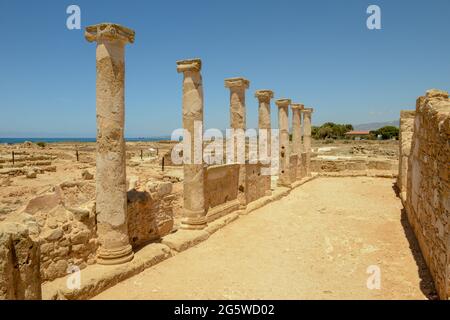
111,193
194,193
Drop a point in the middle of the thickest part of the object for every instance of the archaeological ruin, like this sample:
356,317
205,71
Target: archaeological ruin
113,220
424,181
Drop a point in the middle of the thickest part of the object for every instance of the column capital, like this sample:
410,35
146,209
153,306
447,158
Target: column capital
308,110
237,83
297,106
281,103
109,32
264,94
189,65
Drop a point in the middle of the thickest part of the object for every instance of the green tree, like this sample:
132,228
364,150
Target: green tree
331,130
387,132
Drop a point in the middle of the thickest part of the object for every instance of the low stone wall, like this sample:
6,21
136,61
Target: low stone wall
337,164
428,185
63,223
221,190
293,167
255,182
304,159
150,213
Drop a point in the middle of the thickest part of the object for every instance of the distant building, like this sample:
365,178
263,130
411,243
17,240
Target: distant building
357,135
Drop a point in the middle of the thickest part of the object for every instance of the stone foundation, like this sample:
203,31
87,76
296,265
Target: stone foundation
63,225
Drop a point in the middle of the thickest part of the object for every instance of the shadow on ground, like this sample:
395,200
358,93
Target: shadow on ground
426,280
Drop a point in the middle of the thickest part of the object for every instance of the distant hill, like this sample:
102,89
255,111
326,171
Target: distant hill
375,125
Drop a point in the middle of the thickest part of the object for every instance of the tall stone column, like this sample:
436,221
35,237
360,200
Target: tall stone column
194,212
111,192
297,135
307,112
264,124
237,88
284,178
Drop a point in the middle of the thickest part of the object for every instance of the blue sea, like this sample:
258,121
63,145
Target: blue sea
54,140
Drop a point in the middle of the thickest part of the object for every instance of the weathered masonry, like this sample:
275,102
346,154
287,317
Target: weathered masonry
425,192
127,223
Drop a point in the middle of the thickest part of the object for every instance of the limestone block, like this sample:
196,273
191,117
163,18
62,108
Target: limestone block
19,264
145,223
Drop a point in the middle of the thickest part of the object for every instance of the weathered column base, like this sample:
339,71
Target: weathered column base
194,223
115,256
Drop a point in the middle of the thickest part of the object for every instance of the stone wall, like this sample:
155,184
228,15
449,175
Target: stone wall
293,167
336,164
65,227
221,190
150,213
428,185
19,264
405,136
255,182
63,223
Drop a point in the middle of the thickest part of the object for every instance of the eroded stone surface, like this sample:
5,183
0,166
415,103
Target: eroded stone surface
19,264
194,216
284,178
111,196
428,185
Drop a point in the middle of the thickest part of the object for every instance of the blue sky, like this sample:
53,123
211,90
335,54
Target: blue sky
319,53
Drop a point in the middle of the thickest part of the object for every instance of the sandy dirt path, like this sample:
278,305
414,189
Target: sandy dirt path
316,243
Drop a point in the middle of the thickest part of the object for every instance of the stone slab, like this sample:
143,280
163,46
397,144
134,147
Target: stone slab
221,222
184,239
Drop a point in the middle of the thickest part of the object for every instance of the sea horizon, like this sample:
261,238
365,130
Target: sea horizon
75,139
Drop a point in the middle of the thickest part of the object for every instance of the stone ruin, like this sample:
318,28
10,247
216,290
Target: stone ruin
424,183
87,222
107,220
26,163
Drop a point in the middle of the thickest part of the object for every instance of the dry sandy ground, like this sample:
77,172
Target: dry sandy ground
316,243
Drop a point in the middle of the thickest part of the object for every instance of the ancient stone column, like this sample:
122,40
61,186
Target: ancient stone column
307,138
237,88
111,192
194,212
297,135
284,178
264,124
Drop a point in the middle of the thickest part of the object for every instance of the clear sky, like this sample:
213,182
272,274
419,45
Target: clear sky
319,53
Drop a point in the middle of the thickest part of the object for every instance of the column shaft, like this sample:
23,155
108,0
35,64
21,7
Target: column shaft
237,88
194,213
307,138
284,178
297,137
111,193
264,125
